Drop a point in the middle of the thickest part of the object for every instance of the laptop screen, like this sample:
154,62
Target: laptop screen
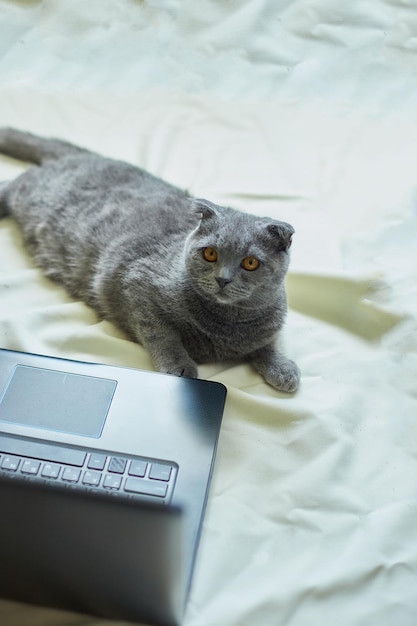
111,557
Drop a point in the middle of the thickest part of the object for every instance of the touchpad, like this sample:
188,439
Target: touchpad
60,401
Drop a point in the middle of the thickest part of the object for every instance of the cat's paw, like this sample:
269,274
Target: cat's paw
188,369
284,376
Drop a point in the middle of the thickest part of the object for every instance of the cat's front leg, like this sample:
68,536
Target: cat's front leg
169,355
278,371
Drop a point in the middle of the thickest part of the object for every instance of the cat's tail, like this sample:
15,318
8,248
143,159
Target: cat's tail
27,147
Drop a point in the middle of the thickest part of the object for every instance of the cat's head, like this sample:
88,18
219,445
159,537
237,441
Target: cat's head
236,258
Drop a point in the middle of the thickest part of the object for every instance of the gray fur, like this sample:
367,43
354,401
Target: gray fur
130,245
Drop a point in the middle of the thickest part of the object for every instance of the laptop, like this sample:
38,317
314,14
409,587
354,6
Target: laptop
104,478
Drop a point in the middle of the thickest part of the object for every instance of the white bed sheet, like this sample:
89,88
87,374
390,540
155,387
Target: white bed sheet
304,111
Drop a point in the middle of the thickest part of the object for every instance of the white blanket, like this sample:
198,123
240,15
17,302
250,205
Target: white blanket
304,111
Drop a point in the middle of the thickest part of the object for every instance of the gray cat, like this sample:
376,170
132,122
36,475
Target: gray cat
190,280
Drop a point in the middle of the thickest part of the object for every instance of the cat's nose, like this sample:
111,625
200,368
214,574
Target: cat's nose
223,281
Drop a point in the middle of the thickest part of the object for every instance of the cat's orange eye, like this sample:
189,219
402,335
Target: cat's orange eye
210,254
250,263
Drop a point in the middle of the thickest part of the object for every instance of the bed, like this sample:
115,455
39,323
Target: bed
305,111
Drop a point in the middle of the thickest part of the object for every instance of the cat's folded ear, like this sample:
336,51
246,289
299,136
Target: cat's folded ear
282,234
204,208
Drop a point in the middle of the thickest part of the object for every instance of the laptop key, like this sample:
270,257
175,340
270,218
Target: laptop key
10,463
137,468
159,471
112,482
146,487
50,470
97,461
91,478
30,467
43,451
71,474
117,465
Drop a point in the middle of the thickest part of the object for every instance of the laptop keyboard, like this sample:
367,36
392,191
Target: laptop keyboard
87,469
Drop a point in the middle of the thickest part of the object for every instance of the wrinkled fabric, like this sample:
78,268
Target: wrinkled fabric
304,111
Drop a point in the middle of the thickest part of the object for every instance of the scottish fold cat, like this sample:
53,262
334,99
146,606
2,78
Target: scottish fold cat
190,280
